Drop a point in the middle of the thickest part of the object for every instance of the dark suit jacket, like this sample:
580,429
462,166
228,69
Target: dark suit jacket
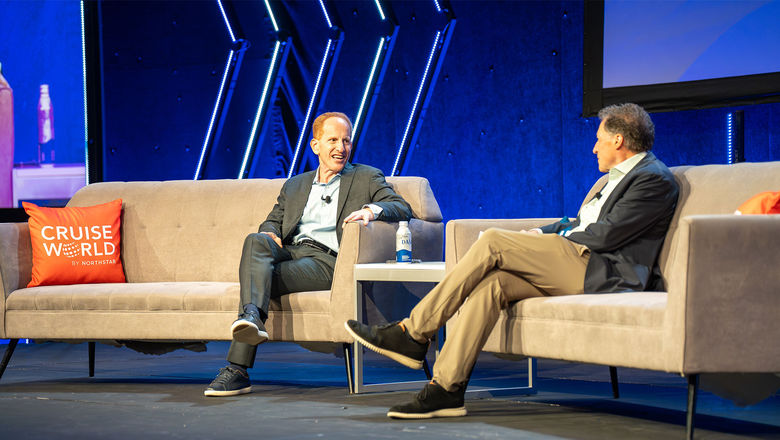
629,233
360,185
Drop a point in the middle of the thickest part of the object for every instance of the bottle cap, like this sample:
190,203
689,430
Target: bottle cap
403,223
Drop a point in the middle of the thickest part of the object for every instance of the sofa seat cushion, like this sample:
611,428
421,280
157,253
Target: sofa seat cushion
165,296
317,301
643,309
192,296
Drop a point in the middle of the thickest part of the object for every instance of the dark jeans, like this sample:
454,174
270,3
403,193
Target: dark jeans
269,271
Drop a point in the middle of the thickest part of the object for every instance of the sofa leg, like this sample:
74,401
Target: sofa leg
91,358
614,380
693,389
348,365
7,356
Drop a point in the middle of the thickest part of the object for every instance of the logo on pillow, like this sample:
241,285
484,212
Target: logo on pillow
767,202
75,245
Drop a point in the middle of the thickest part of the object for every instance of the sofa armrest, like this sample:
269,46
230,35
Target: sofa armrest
461,234
15,262
724,294
375,243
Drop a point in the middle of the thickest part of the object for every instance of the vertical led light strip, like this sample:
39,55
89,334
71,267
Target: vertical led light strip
260,107
271,14
438,7
84,77
325,12
381,12
309,108
219,93
368,85
730,137
214,114
227,22
416,101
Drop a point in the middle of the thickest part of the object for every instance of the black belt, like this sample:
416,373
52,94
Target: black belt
317,245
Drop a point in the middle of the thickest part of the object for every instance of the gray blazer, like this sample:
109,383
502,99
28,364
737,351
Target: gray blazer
628,235
360,185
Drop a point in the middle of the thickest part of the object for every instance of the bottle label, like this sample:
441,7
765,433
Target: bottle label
403,248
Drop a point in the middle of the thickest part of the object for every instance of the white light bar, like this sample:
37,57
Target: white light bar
381,12
260,107
730,137
227,22
368,86
213,115
271,14
325,11
309,108
416,101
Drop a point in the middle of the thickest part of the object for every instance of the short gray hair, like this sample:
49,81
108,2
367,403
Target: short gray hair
631,121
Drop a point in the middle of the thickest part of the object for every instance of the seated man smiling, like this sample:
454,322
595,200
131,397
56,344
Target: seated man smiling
296,246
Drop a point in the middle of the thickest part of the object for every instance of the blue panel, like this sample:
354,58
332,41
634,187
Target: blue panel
503,136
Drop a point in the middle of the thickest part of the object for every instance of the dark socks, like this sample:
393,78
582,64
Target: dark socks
241,368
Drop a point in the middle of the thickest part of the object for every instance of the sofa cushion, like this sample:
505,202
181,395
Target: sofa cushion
156,297
165,296
642,309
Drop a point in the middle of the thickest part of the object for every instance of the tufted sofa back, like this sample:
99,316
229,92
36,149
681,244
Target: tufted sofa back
710,189
194,230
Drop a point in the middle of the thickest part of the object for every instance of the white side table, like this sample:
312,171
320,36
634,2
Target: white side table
425,272
430,272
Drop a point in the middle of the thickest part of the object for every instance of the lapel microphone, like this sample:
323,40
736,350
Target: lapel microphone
326,199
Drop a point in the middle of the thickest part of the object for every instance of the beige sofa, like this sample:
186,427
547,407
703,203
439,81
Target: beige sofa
181,245
721,308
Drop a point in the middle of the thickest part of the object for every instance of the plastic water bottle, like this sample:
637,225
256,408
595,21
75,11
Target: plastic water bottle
45,127
403,243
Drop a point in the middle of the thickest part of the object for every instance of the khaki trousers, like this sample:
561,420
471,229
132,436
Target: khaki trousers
501,267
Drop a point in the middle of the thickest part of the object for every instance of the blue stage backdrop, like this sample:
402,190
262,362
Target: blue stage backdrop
502,134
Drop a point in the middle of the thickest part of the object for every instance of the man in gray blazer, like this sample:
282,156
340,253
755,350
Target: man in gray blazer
611,246
296,246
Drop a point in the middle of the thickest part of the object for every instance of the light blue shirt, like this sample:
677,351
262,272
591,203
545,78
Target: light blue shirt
590,212
319,217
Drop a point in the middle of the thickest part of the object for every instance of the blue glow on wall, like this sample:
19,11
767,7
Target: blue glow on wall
506,105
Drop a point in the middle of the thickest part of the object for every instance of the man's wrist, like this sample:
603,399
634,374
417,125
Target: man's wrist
376,210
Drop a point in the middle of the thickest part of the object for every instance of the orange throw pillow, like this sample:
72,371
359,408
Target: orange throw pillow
767,202
75,245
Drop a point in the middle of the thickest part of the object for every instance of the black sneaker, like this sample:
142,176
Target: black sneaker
229,382
432,401
390,340
248,328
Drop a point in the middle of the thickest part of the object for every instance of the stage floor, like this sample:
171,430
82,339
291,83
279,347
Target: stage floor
46,393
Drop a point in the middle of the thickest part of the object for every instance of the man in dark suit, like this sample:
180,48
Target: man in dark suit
295,248
612,246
